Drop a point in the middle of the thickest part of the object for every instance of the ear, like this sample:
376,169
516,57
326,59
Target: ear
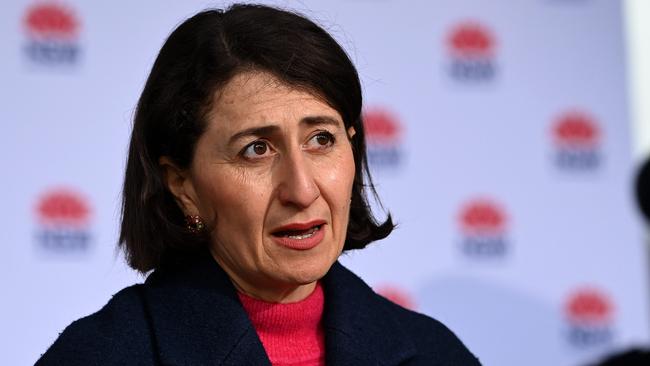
180,185
351,132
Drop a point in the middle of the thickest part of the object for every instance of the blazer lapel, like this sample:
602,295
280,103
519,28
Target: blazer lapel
359,328
196,318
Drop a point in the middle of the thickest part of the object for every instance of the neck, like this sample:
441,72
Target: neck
287,294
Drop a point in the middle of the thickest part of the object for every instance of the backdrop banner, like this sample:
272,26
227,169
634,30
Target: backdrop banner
499,139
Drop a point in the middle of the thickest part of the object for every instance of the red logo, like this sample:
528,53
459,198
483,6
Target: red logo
471,47
483,225
589,306
577,129
383,132
398,296
471,39
63,207
51,20
577,138
381,126
589,313
63,215
482,216
52,31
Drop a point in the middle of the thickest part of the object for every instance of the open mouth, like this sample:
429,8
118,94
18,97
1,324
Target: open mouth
298,234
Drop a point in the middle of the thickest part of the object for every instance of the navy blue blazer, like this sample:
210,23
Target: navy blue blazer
192,316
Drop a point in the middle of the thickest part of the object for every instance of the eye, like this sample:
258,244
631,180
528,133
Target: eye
322,140
256,149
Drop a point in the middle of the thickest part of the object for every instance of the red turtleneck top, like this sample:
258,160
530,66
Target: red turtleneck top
292,334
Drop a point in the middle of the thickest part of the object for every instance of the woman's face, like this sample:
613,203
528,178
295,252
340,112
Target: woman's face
272,176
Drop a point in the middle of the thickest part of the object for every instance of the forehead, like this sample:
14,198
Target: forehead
253,98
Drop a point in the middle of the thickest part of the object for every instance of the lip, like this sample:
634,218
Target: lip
300,244
299,226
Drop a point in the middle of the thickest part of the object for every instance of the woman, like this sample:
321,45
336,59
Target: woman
244,183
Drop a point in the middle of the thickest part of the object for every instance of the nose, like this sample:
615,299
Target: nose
296,184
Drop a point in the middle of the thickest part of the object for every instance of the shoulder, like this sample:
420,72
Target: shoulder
388,330
114,335
432,339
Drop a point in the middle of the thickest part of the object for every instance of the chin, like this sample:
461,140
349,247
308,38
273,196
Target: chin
306,270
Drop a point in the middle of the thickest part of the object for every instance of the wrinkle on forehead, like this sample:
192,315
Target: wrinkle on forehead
249,95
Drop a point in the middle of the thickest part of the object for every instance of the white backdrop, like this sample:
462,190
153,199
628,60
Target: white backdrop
499,140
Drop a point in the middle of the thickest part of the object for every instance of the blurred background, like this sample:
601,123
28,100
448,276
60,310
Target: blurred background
504,137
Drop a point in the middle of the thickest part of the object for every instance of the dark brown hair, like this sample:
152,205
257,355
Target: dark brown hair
200,56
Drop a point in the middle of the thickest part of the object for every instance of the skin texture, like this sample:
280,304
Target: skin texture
298,168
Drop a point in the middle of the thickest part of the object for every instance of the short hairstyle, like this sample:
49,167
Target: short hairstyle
201,55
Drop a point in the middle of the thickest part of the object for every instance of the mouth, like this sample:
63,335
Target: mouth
300,236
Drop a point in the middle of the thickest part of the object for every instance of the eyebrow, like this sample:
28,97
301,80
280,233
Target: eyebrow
320,120
270,129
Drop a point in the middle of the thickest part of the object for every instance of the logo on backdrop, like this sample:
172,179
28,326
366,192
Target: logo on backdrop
63,217
52,31
483,224
576,137
589,318
471,46
397,295
383,138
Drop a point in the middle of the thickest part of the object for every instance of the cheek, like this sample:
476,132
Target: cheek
345,174
235,199
338,181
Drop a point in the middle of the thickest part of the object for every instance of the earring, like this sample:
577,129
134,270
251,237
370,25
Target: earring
194,223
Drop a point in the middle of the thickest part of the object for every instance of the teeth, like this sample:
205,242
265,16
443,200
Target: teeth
306,235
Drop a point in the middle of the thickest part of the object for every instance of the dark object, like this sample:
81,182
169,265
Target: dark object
643,190
635,357
198,58
192,316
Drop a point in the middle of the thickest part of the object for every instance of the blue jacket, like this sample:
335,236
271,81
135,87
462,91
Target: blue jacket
193,316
